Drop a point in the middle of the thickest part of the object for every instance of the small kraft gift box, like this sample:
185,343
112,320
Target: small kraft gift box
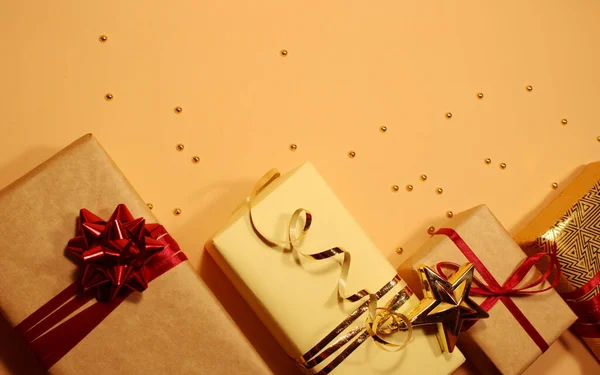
72,288
526,314
295,294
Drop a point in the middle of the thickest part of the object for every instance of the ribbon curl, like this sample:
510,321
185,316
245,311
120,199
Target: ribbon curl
380,322
496,292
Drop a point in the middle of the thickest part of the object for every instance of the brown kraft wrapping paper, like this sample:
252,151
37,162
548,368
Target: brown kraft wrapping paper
497,345
176,326
572,224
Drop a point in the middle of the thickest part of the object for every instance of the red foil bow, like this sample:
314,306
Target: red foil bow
120,256
495,292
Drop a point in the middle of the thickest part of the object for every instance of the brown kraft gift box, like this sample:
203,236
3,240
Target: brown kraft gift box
497,345
175,326
571,224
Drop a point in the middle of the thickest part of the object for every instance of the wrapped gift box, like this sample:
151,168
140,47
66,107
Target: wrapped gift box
571,224
176,326
498,344
297,299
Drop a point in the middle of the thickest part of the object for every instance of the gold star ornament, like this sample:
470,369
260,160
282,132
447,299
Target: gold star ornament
446,303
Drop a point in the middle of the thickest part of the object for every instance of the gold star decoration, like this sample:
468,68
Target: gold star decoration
446,303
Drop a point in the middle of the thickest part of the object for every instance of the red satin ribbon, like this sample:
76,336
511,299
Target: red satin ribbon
495,292
47,333
588,311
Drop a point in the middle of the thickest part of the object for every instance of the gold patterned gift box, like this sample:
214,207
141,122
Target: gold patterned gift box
523,318
570,225
175,326
296,297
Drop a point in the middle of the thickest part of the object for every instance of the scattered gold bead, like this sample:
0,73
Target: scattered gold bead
529,88
180,147
196,159
439,190
178,110
293,147
351,154
598,138
564,121
450,214
108,97
448,115
395,187
431,230
423,177
409,188
383,129
103,38
554,185
150,205
399,250
284,52
503,165
488,161
177,211
480,95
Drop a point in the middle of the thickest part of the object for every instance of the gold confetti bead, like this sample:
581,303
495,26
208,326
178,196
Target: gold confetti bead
431,230
409,187
423,177
564,121
383,129
103,38
196,159
293,147
448,115
399,250
480,95
108,97
529,88
150,205
439,190
283,52
180,147
503,165
598,138
488,161
178,110
177,211
450,214
351,154
395,187
554,185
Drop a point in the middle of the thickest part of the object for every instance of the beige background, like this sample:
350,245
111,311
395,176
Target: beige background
352,67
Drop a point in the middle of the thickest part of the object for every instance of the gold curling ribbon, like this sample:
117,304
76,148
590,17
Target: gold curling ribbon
380,321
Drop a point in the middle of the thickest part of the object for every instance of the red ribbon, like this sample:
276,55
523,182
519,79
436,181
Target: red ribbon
121,256
588,311
496,292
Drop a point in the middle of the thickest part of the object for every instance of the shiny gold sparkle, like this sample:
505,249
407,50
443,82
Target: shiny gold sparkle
179,147
409,187
488,161
293,147
529,88
439,190
196,159
178,110
480,95
399,250
383,129
283,52
554,185
150,205
423,177
503,165
103,38
177,211
450,214
564,121
431,230
448,115
108,97
395,188
598,138
351,154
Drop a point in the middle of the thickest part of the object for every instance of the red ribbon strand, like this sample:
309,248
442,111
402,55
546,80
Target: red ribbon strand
495,292
122,256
